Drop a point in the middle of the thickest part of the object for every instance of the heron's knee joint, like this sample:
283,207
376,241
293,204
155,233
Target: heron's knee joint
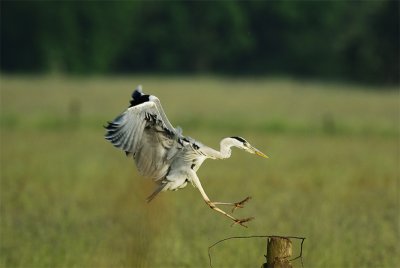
211,204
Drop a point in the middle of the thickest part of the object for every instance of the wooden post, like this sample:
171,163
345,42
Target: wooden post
279,249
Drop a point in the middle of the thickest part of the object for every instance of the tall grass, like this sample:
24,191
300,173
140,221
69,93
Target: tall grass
69,199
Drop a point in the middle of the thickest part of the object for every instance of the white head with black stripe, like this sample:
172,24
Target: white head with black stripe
240,143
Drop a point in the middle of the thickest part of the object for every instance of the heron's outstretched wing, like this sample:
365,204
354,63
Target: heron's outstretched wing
145,132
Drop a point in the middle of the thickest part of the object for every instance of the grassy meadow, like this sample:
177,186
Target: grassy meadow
70,199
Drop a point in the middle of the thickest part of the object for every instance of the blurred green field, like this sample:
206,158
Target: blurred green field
69,199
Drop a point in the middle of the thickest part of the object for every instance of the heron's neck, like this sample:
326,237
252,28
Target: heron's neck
225,150
223,153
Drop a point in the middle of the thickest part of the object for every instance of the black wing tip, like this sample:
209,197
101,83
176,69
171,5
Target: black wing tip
138,92
110,125
138,97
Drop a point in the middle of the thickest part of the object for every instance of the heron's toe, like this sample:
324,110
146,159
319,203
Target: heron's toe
240,204
242,221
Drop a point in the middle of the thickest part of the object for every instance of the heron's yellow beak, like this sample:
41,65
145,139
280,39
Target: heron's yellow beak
261,154
258,152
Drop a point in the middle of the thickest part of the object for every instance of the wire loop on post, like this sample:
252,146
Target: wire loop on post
260,236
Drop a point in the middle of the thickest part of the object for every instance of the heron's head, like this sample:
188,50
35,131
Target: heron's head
245,145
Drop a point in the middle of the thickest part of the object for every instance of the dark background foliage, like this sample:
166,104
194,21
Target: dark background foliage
354,41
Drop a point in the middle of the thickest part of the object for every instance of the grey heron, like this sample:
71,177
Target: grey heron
162,153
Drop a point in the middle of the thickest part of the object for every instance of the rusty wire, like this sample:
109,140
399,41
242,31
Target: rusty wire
260,236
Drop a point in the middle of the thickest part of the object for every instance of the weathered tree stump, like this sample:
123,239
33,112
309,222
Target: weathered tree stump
279,249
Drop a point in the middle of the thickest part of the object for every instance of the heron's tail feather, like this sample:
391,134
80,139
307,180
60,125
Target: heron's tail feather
156,192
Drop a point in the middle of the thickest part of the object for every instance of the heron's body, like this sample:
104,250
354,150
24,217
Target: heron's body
161,152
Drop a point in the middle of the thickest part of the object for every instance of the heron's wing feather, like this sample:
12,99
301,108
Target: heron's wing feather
126,130
163,116
144,131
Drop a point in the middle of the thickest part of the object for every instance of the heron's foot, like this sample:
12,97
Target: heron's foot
242,221
240,204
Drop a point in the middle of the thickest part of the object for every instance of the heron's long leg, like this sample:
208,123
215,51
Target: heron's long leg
212,205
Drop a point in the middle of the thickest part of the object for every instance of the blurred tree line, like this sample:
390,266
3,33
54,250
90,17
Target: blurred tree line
357,41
